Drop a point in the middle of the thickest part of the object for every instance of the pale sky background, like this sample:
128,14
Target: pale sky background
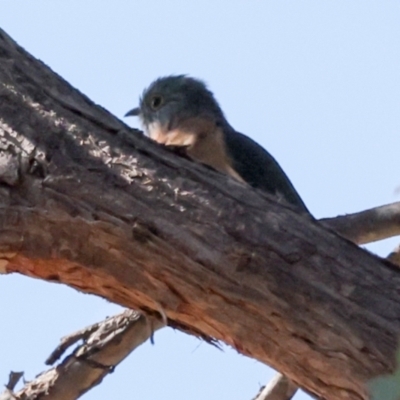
316,82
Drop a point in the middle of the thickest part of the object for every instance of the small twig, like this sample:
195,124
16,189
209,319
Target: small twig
13,379
69,340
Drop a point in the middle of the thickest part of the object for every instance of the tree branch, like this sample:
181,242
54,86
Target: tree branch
105,345
368,226
394,256
92,204
279,388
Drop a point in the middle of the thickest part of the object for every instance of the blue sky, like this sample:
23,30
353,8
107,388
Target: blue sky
317,83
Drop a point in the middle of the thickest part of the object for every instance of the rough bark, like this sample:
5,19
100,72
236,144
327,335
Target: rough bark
92,204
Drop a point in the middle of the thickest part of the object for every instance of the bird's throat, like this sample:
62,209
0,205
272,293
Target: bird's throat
202,139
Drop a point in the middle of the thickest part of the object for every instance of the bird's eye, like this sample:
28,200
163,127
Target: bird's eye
156,102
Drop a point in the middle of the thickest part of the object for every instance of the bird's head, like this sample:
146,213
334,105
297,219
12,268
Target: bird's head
174,109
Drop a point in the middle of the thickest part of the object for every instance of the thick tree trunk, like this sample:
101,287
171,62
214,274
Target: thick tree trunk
92,204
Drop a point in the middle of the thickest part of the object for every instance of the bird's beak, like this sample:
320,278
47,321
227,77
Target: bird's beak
133,113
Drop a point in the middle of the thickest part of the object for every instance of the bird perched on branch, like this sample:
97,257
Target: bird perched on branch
181,111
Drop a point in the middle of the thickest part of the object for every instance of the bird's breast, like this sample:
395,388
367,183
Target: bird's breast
203,140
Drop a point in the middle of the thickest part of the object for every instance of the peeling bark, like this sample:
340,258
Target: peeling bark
88,202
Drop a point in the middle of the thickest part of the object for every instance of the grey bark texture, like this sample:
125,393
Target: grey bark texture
88,202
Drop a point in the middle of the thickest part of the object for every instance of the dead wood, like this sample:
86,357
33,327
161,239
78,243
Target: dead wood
90,203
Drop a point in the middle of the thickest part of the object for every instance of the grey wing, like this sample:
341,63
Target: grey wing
259,169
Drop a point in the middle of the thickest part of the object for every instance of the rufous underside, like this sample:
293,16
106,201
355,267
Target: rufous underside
203,140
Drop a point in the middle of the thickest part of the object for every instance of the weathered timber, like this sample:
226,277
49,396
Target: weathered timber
90,203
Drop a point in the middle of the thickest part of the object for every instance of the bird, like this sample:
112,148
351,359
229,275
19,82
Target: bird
180,111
